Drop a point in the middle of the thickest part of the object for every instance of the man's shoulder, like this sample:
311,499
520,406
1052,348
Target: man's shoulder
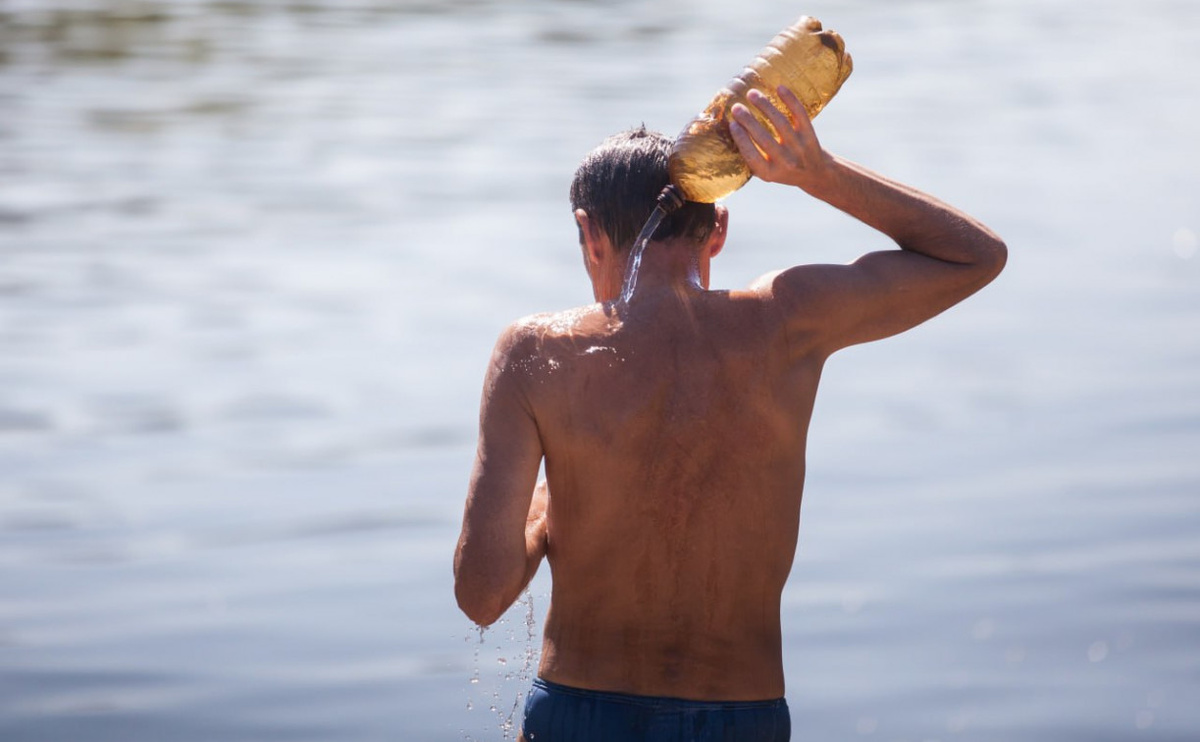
805,295
547,325
785,283
525,336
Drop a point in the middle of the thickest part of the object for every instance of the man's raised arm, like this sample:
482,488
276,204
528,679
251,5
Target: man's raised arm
503,535
944,256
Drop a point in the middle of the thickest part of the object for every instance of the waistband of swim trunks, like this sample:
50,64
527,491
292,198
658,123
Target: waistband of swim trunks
660,702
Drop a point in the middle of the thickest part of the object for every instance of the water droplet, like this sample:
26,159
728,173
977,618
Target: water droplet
1098,651
1144,719
866,725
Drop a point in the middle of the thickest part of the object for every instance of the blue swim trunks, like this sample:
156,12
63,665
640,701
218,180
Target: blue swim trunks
560,713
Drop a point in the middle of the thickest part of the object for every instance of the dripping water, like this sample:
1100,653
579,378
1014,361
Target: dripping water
491,689
668,202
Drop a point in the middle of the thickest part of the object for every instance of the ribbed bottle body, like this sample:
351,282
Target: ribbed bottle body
705,163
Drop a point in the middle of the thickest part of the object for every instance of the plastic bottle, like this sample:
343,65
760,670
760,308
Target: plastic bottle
704,163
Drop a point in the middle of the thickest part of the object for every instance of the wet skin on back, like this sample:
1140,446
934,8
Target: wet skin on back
674,441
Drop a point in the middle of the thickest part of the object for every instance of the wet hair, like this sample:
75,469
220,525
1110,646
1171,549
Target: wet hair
617,185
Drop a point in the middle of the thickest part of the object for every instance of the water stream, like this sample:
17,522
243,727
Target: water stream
635,254
668,201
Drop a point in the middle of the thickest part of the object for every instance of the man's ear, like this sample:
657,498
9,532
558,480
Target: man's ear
591,237
716,239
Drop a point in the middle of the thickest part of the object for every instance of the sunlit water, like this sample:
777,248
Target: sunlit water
253,257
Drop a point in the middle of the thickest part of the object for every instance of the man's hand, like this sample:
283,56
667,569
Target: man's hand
535,524
792,155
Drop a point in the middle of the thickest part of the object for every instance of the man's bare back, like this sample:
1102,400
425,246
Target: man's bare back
673,429
674,441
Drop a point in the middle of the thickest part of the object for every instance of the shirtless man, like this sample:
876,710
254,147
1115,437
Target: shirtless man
673,429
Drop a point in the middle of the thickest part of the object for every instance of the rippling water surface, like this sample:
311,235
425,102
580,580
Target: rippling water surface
253,256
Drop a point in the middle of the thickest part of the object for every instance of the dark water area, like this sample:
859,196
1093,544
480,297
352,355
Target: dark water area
253,258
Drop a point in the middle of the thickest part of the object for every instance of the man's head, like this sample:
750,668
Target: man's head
617,185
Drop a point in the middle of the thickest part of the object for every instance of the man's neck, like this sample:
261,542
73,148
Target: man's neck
672,264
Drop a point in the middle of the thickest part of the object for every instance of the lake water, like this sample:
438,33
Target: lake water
253,256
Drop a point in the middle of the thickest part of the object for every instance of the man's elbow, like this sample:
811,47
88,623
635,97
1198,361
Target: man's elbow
993,256
488,581
999,252
482,612
481,605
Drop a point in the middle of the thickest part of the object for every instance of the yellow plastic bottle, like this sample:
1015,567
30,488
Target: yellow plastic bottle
704,163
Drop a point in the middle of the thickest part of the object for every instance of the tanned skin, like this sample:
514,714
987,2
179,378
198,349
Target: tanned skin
673,429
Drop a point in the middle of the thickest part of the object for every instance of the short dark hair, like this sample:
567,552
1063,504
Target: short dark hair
618,183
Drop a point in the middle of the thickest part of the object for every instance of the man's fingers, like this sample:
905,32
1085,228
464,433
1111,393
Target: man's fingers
752,126
762,134
799,113
779,119
745,143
